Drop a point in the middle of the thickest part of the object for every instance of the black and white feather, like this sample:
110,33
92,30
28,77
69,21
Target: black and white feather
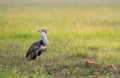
38,47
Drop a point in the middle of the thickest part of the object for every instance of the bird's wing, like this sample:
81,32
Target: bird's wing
34,47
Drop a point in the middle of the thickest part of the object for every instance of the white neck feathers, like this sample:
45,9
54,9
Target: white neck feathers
43,37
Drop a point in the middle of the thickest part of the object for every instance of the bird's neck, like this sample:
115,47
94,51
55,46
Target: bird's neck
43,37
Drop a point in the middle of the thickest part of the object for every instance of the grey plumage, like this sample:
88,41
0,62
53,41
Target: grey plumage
38,47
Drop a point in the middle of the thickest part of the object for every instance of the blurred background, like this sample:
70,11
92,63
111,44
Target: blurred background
59,1
77,30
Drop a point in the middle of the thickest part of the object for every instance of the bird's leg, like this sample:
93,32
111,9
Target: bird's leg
37,53
29,57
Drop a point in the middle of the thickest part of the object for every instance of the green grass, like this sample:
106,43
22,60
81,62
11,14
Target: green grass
75,31
3,75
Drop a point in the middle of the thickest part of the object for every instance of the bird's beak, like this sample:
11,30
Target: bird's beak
38,30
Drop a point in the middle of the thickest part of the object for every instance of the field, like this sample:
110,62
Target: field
76,32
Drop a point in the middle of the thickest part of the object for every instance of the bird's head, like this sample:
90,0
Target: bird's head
43,30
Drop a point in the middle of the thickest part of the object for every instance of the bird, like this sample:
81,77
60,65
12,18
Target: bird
38,47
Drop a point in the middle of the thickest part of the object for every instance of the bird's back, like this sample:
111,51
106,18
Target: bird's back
32,50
